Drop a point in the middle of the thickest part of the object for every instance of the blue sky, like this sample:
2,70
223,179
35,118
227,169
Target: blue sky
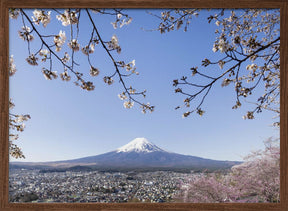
68,122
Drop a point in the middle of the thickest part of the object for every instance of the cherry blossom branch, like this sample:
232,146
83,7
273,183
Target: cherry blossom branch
214,80
49,48
70,17
239,43
117,71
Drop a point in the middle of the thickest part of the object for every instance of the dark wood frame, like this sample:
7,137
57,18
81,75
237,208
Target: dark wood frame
4,98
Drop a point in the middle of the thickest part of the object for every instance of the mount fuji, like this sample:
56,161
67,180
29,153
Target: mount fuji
137,154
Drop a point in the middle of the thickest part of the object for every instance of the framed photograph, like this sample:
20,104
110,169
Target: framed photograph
143,105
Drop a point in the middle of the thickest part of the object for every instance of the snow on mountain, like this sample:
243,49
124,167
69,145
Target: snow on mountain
139,145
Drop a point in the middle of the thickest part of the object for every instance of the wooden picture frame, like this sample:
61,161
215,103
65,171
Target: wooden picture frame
4,96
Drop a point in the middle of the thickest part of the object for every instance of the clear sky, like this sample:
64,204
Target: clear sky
68,122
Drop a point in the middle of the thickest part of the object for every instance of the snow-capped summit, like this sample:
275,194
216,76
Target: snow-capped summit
139,145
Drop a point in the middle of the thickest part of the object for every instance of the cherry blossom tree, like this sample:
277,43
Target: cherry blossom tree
257,179
207,188
16,124
16,121
248,42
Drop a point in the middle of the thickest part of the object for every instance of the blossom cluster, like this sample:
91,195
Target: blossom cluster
21,118
122,96
89,86
44,53
48,74
64,76
121,21
249,115
88,49
32,60
15,151
13,13
74,45
181,17
130,67
108,80
12,66
221,45
114,45
65,58
59,40
41,16
128,104
26,34
147,107
68,17
94,71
